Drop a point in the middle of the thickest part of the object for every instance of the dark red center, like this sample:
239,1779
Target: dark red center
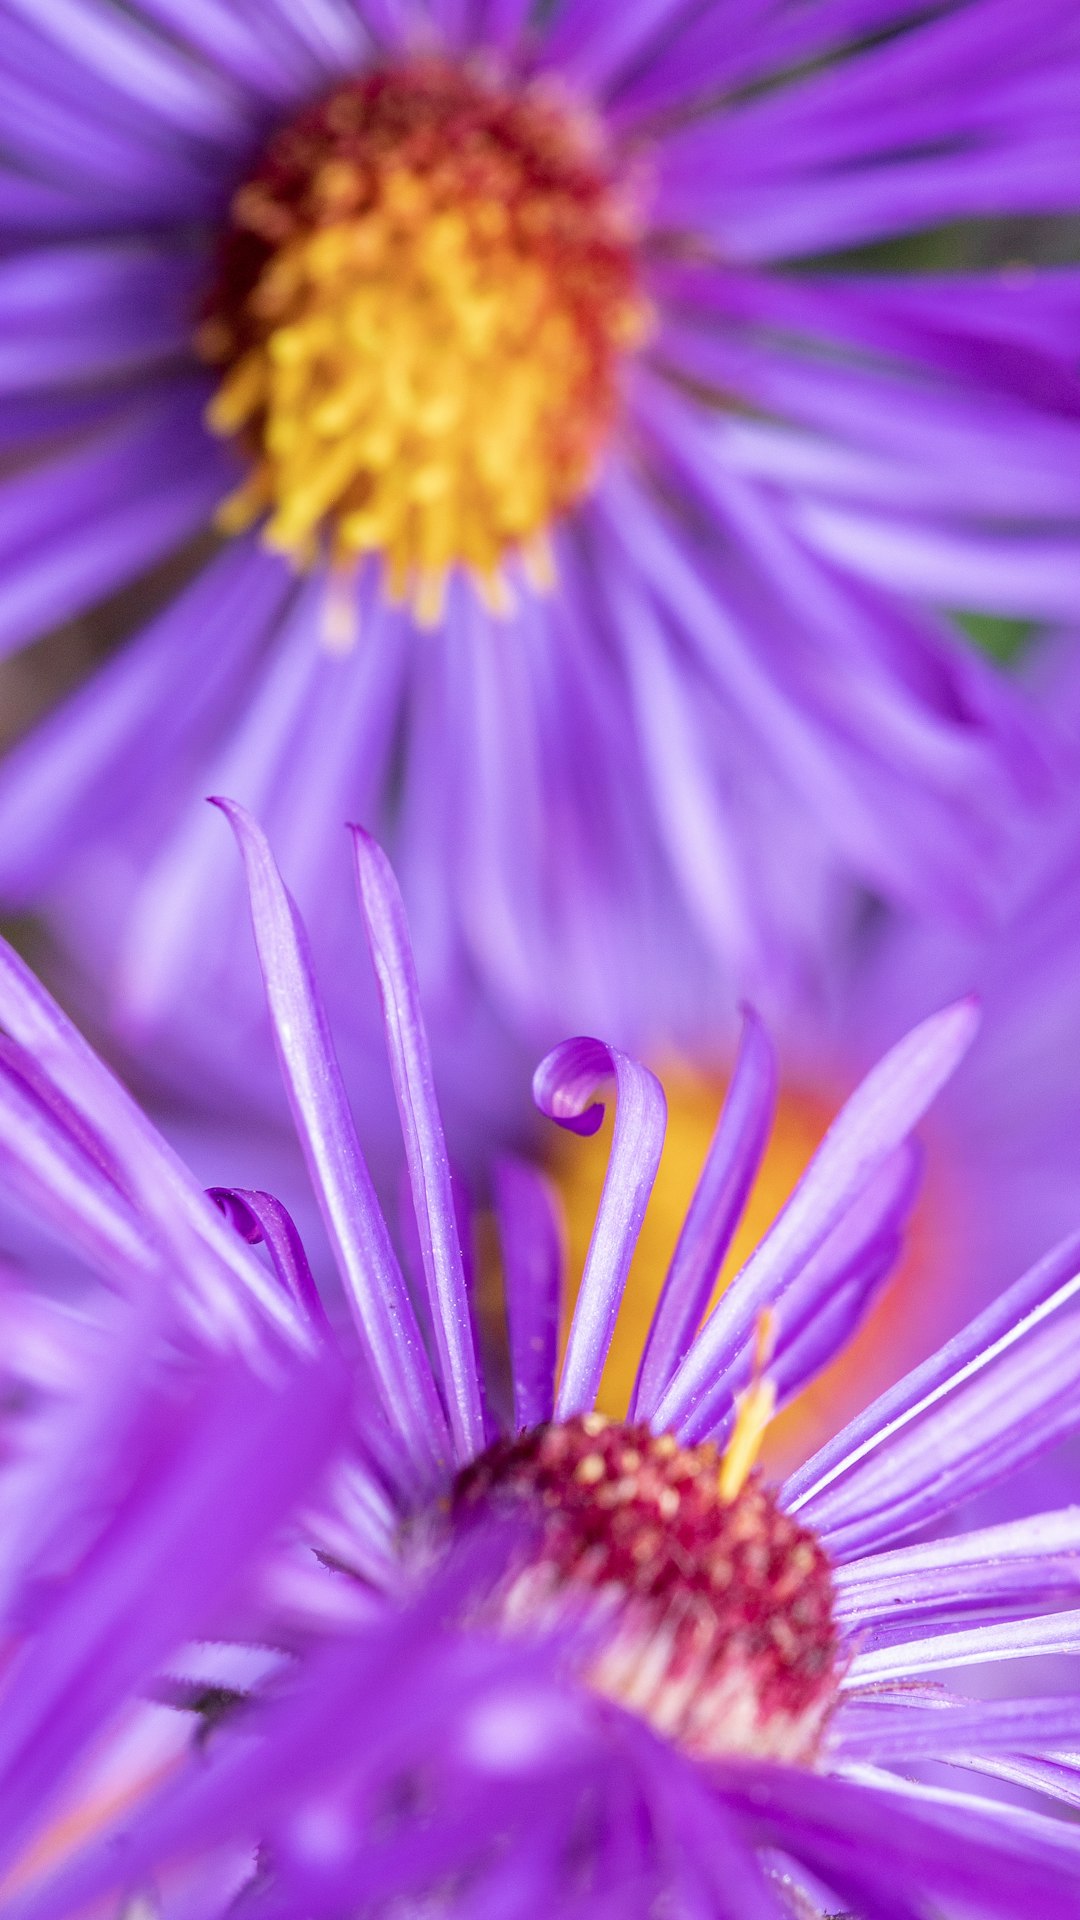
722,1611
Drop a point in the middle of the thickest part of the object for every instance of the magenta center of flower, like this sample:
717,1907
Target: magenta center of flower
717,1613
422,300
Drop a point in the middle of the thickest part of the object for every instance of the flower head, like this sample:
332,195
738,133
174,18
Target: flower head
421,304
527,325
313,1620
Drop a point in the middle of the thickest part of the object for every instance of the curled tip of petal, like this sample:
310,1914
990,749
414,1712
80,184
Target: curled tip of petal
564,1084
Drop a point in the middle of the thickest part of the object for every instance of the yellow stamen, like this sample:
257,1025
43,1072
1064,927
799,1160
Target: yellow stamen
754,1409
422,306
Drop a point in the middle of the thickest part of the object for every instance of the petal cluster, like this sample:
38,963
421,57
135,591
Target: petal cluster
240,1664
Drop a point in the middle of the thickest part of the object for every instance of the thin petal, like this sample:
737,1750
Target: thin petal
425,1142
376,1290
262,1220
205,1499
139,63
219,1280
714,1213
994,1397
531,1238
564,1087
875,1121
971,1646
596,43
883,1730
969,1859
1014,1565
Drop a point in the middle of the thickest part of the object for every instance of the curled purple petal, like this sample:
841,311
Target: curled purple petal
564,1086
261,1219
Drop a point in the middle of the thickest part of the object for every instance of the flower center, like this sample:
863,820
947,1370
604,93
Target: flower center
721,1629
420,309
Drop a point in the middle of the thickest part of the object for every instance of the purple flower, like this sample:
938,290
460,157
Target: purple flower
310,1610
482,293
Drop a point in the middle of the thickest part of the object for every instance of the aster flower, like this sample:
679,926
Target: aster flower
304,1617
525,325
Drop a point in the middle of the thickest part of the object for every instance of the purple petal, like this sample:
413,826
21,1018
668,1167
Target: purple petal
152,706
382,1311
142,65
531,1238
87,521
1030,576
744,41
967,1859
262,1220
255,54
824,1308
425,1143
709,1861
993,1398
330,32
98,174
391,21
678,748
971,1646
883,1730
80,313
219,1281
502,23
1002,1568
564,1087
875,1121
207,1493
52,1164
714,1213
594,44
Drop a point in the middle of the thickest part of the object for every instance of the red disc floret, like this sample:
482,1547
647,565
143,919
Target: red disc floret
735,1594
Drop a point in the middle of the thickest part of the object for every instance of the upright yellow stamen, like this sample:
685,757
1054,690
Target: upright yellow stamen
754,1409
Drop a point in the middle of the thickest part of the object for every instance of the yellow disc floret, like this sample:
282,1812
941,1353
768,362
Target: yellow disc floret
420,309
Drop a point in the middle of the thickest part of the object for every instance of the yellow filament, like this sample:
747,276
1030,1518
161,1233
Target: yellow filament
754,1409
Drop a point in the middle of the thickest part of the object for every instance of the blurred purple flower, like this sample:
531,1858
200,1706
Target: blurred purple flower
298,1610
742,672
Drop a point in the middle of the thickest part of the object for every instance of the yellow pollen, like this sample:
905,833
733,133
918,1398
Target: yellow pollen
421,308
